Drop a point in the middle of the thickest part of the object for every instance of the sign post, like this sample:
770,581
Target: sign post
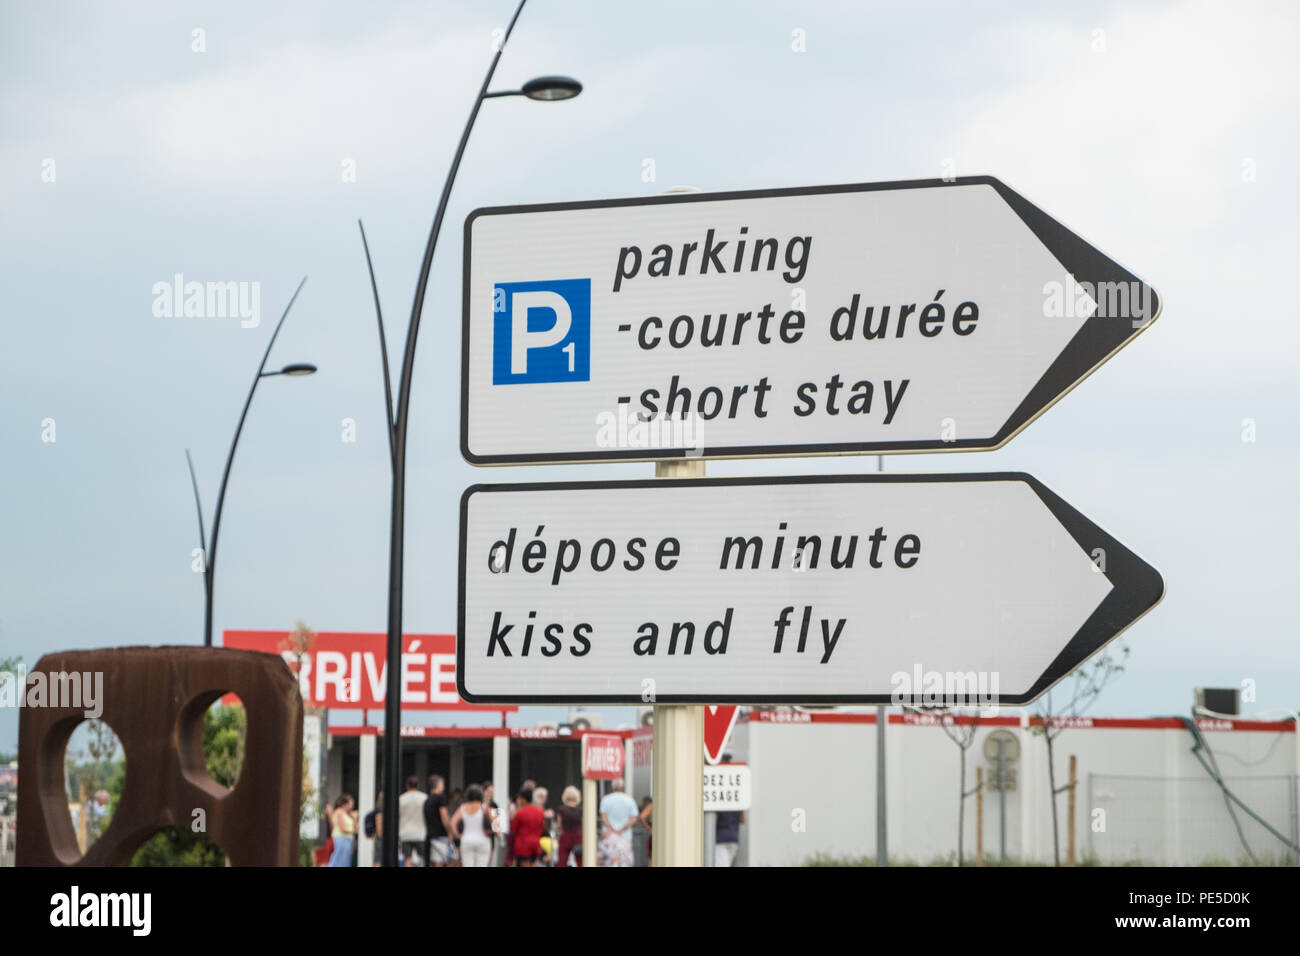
727,788
602,759
882,818
679,732
677,753
718,723
920,316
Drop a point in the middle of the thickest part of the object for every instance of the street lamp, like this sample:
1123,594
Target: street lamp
546,88
210,549
297,368
543,88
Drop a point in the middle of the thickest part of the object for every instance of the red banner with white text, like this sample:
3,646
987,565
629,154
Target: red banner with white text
350,671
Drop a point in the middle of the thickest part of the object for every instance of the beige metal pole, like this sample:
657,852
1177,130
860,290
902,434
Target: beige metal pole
678,750
979,816
589,813
678,754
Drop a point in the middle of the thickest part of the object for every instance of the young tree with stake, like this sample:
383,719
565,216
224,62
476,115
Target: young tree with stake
1050,720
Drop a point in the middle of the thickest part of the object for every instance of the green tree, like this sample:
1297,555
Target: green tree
225,729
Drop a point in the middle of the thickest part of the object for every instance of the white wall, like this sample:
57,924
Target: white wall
820,775
1159,804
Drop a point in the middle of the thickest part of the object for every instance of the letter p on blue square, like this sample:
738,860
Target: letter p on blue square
541,332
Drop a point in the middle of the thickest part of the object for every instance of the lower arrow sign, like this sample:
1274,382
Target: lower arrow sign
968,590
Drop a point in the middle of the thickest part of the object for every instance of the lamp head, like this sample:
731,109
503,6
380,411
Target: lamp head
551,88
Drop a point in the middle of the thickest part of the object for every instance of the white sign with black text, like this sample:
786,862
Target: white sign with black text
727,786
924,589
910,316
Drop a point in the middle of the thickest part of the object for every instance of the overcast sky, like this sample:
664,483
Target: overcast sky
1165,133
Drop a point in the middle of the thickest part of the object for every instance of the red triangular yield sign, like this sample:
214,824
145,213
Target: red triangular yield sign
718,722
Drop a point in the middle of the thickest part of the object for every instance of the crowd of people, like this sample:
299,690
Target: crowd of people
469,828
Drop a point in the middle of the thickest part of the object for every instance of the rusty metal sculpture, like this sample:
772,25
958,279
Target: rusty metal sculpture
154,698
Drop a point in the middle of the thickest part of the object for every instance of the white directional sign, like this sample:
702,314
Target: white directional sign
927,589
727,786
911,316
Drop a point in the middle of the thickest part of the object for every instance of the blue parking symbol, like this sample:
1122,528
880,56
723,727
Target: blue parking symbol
541,332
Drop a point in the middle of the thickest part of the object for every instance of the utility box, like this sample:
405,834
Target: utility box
1218,700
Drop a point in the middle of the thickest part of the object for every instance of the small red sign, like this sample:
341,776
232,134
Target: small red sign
718,722
602,756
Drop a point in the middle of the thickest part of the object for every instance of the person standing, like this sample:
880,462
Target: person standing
507,822
540,795
647,812
437,824
726,837
618,812
372,826
96,813
497,818
343,828
411,830
473,821
526,829
570,814
455,797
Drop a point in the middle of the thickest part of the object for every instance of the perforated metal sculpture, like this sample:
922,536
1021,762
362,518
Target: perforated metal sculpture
154,699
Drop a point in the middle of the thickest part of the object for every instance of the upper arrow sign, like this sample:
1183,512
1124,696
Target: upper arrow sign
889,317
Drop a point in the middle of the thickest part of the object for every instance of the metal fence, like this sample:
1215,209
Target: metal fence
1188,821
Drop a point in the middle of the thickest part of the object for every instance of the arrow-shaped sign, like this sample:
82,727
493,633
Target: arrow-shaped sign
888,317
870,589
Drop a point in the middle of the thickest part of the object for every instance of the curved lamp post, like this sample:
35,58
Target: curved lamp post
210,549
548,88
